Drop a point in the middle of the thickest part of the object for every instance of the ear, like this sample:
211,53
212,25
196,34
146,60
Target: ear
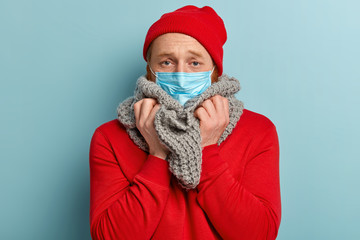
215,75
148,73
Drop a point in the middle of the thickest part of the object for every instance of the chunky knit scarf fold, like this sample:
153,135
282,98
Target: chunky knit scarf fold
176,125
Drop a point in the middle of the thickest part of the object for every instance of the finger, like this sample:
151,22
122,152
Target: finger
223,114
226,107
153,112
218,103
201,114
137,107
146,107
209,107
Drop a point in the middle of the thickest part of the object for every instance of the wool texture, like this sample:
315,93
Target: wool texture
177,127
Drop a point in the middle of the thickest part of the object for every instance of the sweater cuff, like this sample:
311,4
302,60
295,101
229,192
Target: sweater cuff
156,170
211,161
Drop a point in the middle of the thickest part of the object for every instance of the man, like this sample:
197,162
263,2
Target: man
184,160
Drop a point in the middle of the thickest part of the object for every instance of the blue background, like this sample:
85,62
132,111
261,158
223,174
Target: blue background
65,66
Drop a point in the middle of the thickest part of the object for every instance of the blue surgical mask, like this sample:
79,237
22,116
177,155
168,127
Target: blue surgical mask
183,86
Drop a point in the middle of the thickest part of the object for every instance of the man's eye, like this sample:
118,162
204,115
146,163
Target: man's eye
166,63
195,63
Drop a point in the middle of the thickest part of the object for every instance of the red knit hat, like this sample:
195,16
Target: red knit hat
203,24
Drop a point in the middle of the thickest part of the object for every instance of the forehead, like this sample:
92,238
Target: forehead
177,42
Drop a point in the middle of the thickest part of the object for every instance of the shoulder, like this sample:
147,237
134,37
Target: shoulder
252,129
253,122
109,131
111,127
113,137
257,132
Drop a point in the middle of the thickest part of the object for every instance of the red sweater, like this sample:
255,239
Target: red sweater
135,196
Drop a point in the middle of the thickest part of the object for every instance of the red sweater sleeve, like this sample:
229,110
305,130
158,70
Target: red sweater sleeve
247,207
120,209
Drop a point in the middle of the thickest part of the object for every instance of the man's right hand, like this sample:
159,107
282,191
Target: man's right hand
145,111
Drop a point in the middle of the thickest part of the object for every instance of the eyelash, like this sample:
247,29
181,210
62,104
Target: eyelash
167,63
163,63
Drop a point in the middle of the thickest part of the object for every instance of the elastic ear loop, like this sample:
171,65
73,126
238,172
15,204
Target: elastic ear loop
152,71
212,71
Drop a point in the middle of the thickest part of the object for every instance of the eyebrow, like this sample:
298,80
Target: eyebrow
169,54
196,53
164,54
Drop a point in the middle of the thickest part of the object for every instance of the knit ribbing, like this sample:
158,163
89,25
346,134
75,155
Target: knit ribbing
176,125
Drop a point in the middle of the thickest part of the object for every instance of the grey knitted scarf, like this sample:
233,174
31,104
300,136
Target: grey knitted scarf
176,125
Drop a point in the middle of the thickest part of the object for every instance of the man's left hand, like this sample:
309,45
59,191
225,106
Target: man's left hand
213,114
